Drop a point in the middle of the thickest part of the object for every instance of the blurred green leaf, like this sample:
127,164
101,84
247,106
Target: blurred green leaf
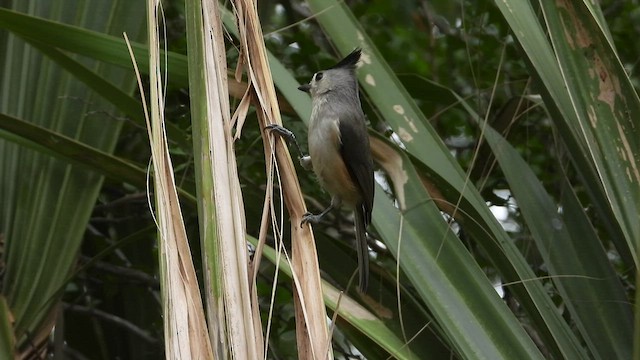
46,202
577,262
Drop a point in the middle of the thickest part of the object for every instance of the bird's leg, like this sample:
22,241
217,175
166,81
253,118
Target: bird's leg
290,137
315,218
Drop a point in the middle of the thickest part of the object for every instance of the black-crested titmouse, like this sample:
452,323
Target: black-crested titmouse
339,149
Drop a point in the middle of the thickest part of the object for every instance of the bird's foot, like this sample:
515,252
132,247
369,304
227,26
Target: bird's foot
290,139
285,133
310,218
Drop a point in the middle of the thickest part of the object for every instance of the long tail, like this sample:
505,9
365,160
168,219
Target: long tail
363,248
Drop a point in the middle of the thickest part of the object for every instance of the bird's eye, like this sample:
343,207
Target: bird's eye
318,76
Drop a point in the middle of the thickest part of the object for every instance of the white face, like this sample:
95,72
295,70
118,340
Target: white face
319,83
329,80
326,80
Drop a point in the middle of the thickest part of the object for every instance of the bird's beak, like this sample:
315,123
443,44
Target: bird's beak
305,88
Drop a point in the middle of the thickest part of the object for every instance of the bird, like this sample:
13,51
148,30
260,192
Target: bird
339,150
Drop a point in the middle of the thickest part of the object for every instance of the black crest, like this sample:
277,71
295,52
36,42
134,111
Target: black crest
350,61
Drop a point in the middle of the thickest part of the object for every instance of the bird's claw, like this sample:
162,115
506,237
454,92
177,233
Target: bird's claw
310,218
290,139
282,131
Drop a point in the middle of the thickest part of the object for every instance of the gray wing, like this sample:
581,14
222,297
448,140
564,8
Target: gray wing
356,154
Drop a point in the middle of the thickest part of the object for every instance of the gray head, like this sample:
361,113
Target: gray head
340,78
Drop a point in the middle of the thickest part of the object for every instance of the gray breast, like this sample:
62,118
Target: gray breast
324,148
